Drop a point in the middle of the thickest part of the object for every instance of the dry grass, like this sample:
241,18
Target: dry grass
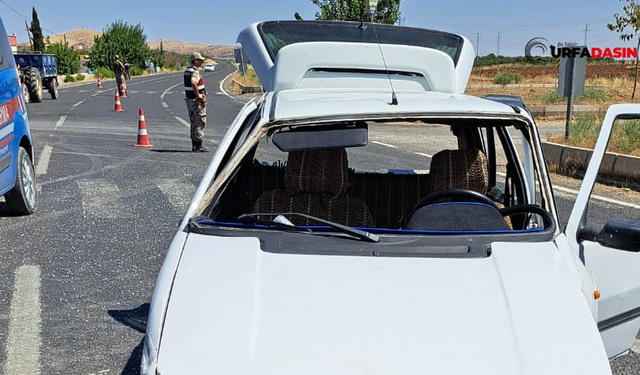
584,132
248,79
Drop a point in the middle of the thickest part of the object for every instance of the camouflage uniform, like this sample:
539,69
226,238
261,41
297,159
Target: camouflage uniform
118,69
197,108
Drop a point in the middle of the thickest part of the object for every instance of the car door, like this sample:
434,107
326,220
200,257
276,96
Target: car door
10,101
609,253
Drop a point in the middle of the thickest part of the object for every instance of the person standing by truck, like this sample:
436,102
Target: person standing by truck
118,70
196,97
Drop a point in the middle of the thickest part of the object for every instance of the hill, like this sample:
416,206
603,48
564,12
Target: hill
84,37
185,48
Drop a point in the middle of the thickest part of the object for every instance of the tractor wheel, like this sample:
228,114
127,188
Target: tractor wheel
34,83
25,93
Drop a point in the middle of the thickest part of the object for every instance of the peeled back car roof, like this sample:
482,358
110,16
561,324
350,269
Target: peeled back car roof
335,53
289,105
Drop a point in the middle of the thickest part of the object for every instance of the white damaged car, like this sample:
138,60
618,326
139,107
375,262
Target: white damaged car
308,249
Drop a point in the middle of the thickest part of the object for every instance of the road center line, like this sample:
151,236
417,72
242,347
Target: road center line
61,121
43,162
23,341
78,103
423,154
182,121
384,144
164,104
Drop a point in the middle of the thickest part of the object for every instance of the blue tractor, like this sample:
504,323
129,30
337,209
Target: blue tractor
37,71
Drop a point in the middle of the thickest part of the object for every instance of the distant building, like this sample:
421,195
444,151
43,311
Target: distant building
13,40
81,47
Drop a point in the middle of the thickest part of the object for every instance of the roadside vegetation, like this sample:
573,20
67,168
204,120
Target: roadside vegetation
584,132
591,94
506,78
248,79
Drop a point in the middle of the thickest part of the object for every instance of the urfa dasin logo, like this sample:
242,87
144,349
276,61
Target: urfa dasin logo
572,50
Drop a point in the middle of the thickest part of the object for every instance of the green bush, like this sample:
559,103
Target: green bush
104,73
135,71
591,93
506,78
549,97
69,78
585,129
626,133
79,77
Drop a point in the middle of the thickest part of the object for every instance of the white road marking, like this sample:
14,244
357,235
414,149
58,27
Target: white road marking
178,192
384,144
182,121
221,87
23,341
152,92
166,92
423,154
97,93
78,103
82,90
43,162
100,200
61,121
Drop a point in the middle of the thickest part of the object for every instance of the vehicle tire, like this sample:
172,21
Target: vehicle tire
25,93
22,198
53,88
34,83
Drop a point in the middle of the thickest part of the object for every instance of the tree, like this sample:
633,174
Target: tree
67,59
36,31
355,10
628,26
122,39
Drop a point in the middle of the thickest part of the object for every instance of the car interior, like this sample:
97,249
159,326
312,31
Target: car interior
476,183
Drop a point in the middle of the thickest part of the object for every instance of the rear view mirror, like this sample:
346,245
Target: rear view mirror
321,137
616,234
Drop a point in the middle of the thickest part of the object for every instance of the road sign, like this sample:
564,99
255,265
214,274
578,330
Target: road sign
571,76
240,59
372,8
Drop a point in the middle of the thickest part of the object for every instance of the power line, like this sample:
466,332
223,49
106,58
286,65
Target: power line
517,27
23,16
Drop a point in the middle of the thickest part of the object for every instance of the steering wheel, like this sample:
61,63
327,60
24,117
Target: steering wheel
547,219
455,195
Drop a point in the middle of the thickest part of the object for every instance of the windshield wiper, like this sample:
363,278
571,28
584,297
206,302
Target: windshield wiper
357,233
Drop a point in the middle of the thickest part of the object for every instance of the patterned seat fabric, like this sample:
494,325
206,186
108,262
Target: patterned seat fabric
459,169
316,182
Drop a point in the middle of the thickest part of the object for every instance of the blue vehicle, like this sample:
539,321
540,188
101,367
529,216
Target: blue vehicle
37,71
17,177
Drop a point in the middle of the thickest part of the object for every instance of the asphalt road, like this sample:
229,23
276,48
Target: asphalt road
85,264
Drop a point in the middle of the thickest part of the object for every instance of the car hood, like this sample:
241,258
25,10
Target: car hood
235,309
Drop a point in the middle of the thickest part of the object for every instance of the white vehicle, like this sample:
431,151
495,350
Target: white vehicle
209,67
303,254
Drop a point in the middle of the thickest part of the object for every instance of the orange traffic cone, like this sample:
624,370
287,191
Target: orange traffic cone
118,105
143,137
99,83
123,91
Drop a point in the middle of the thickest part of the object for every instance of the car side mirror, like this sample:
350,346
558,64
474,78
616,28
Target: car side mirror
618,235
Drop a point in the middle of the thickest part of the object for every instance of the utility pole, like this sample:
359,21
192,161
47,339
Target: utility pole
498,54
477,44
586,30
28,34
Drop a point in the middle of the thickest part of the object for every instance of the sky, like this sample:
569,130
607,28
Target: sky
219,22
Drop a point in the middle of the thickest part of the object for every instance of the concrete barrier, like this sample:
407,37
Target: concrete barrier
615,169
245,89
561,110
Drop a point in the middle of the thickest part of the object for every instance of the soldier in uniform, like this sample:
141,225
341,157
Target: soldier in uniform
118,69
196,96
